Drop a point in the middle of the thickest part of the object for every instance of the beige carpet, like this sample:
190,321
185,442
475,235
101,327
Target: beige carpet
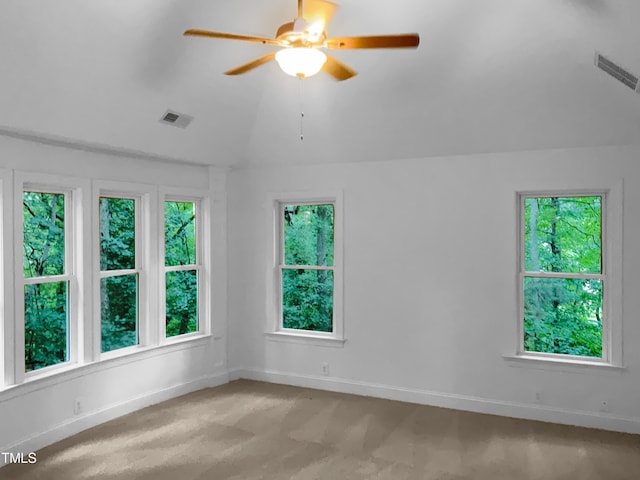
250,430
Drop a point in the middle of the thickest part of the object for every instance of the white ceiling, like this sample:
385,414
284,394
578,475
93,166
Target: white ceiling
488,76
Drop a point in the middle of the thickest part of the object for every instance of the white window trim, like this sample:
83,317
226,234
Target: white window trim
274,329
82,247
202,201
75,224
145,197
6,277
612,338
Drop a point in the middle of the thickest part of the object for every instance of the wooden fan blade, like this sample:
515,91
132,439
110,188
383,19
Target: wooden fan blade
406,40
251,65
195,32
338,70
318,11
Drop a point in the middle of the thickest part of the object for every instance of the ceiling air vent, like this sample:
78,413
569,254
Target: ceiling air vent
176,119
617,72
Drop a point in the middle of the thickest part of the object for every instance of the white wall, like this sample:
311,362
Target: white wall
41,411
430,296
430,292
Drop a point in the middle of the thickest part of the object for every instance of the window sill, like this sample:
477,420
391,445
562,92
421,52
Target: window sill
562,364
68,372
305,338
51,371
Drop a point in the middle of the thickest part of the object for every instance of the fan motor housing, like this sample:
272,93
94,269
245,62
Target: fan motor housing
287,34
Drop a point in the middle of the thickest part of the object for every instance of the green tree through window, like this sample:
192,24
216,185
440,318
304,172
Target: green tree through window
307,269
181,268
46,322
562,281
118,273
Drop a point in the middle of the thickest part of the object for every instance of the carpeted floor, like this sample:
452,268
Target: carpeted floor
250,430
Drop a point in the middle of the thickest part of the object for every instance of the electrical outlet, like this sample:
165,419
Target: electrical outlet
604,406
538,396
325,368
77,406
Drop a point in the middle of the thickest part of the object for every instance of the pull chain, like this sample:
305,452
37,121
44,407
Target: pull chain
301,110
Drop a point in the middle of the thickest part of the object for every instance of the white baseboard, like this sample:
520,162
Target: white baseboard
543,413
96,417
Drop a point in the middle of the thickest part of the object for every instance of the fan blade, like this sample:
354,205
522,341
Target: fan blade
407,40
338,70
319,11
251,65
230,36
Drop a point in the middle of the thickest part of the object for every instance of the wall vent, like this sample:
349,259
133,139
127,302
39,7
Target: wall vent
176,119
617,72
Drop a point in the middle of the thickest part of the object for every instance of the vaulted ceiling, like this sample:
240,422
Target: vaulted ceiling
488,76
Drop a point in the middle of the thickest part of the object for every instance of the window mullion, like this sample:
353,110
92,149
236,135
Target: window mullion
595,276
119,273
180,268
47,279
17,374
307,267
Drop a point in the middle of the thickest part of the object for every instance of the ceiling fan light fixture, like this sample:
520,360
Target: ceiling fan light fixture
301,61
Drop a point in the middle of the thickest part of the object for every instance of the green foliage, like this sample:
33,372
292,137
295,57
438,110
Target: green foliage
563,234
45,304
43,216
307,299
179,233
307,294
46,322
182,302
118,294
308,235
119,312
181,286
117,234
563,315
45,318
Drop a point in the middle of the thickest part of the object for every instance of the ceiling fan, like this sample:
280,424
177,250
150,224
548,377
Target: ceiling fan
302,39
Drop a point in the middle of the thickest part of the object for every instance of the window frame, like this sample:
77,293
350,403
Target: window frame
275,329
201,201
82,263
610,275
145,197
73,189
138,264
6,276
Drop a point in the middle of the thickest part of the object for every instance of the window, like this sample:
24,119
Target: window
306,268
119,273
47,276
183,265
563,276
307,289
92,285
